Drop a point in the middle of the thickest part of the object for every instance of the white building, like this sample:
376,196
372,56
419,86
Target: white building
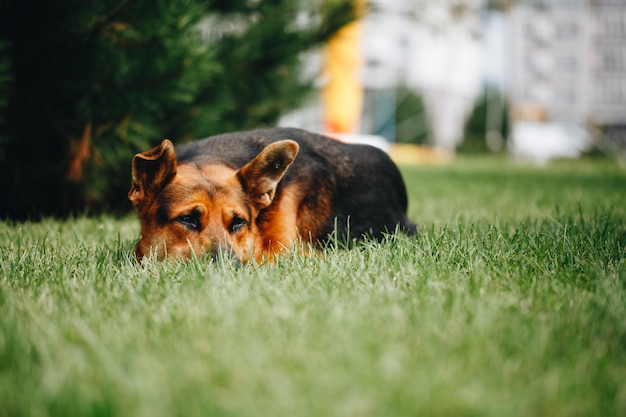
421,45
568,64
424,47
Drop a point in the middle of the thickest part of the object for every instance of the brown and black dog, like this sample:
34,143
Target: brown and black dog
246,194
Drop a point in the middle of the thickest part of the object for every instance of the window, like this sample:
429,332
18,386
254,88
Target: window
612,58
567,31
566,63
611,91
612,24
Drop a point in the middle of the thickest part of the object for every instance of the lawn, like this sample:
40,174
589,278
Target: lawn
512,302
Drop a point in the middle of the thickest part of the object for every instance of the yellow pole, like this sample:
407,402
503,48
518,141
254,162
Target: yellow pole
342,94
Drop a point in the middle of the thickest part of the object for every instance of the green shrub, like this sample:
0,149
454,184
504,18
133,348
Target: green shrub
92,83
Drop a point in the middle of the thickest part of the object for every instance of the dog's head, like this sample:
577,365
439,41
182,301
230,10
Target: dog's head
194,208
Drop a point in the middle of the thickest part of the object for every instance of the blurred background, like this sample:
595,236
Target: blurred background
538,79
84,85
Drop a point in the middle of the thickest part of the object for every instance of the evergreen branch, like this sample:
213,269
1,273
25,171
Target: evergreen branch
113,15
156,81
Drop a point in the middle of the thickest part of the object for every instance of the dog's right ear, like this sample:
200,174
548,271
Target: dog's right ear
152,170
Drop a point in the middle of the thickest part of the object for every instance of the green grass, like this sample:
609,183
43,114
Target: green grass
511,303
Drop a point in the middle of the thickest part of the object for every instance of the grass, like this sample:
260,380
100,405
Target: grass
511,303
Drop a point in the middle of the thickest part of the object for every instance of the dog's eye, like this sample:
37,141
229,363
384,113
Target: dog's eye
237,224
190,221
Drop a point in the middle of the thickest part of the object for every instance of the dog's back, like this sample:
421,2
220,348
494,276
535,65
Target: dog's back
353,189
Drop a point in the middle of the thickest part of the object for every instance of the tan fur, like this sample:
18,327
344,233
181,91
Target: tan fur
214,195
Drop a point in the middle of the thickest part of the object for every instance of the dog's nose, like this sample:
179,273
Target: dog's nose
223,253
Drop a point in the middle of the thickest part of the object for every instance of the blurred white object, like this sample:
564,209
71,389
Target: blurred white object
542,141
372,140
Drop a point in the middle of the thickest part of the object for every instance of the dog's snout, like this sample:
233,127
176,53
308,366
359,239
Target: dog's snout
224,253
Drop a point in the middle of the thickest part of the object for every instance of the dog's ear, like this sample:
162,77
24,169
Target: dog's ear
261,175
152,170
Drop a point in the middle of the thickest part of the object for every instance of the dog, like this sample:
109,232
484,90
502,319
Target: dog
253,195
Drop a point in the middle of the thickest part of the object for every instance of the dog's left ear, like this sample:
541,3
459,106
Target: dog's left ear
152,170
261,175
